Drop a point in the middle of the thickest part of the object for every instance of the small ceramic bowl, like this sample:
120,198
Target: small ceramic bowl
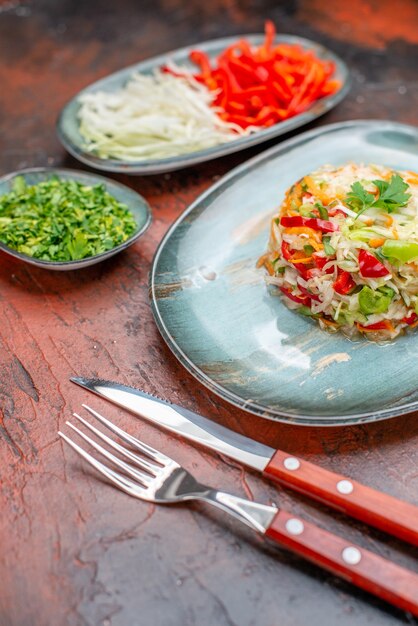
135,203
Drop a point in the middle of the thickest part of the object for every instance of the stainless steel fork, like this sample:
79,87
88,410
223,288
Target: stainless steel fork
154,477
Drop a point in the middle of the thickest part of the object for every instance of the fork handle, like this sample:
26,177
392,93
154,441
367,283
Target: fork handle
349,561
374,507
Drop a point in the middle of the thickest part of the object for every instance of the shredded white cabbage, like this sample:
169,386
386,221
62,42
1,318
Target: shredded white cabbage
153,117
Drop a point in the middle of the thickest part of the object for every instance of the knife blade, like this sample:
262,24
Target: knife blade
182,422
374,507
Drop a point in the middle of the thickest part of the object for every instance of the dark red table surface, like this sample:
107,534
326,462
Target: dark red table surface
72,549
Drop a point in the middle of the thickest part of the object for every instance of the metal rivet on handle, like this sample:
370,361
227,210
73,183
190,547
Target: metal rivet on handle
291,463
345,487
351,555
294,526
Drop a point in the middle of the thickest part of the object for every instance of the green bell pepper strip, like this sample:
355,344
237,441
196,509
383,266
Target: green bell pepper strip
371,301
404,251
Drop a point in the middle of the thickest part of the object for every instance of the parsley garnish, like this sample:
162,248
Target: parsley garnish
359,199
328,249
391,195
62,220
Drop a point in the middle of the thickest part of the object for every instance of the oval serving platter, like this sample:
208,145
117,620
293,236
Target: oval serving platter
68,127
217,315
135,203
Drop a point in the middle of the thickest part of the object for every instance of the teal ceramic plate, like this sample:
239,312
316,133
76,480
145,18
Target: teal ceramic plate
135,203
68,127
215,312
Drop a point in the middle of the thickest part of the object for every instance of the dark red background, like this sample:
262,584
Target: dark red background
72,550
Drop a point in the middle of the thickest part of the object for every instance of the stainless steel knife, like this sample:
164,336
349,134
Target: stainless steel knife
368,505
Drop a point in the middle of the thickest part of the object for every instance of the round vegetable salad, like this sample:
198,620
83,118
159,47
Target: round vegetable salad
344,249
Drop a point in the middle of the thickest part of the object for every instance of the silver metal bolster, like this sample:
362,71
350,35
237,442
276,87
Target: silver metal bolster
256,516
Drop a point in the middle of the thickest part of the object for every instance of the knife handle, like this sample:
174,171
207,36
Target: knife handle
359,566
374,507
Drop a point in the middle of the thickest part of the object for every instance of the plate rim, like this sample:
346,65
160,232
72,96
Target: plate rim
219,390
159,166
88,261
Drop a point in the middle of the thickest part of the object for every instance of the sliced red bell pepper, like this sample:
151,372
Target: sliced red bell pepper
383,325
244,46
256,102
305,292
279,92
240,120
237,107
293,79
262,74
311,273
270,31
344,283
334,212
281,81
305,273
299,299
370,267
286,254
267,115
229,74
410,319
202,60
303,89
320,261
312,222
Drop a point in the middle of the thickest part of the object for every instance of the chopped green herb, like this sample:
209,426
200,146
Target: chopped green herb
328,249
304,186
391,195
323,213
62,220
19,185
281,270
309,250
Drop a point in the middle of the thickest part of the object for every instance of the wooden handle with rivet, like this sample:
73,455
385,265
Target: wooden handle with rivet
374,507
362,568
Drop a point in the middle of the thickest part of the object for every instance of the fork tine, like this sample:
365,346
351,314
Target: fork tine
145,449
122,482
145,479
150,467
